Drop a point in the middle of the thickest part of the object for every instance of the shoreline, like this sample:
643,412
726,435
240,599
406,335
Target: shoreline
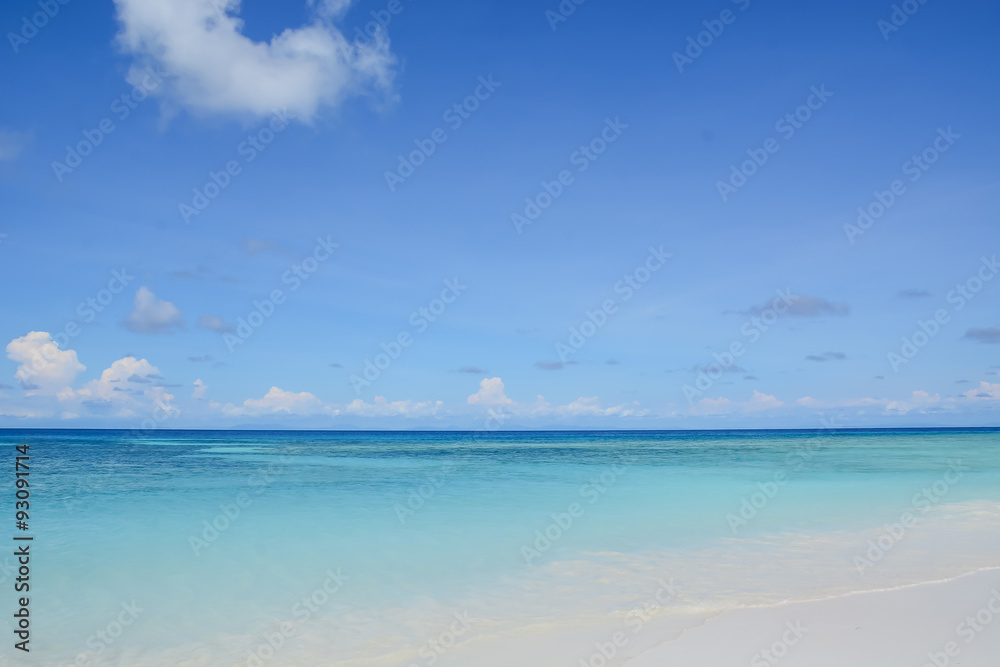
895,627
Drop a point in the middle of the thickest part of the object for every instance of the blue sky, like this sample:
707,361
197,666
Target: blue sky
519,172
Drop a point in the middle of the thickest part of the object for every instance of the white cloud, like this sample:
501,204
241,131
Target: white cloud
720,406
125,389
278,401
592,407
761,401
211,66
152,314
383,408
986,391
44,368
490,393
199,389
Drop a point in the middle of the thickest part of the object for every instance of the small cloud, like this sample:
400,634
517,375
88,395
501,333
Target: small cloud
139,379
491,392
549,365
153,315
612,362
336,365
800,305
761,401
255,246
199,389
827,356
712,368
201,360
913,294
201,273
990,335
220,364
961,382
879,377
475,370
751,377
216,324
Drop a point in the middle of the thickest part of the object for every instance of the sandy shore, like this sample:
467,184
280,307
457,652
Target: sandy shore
926,624
910,626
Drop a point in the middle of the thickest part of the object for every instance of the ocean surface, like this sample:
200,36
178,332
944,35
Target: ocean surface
385,548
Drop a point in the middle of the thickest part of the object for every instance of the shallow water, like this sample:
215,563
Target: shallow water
218,536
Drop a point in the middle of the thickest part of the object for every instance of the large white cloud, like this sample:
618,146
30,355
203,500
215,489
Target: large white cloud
210,66
490,393
128,388
44,368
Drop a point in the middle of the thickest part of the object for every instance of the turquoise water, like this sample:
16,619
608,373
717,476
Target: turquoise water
416,527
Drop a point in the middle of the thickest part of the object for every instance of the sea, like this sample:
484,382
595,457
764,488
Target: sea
187,547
